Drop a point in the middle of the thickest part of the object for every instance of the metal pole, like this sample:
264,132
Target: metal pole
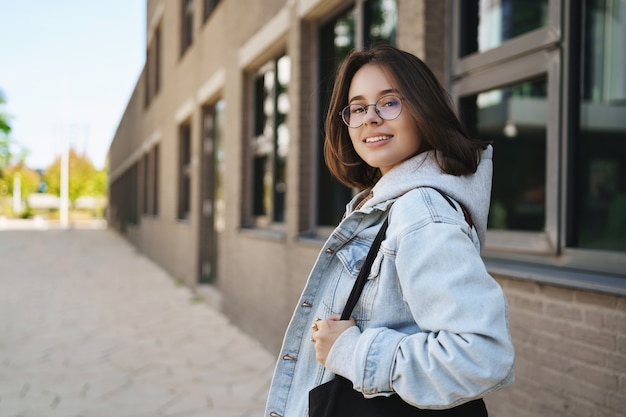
65,171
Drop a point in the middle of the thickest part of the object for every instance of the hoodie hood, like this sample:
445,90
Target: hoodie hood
473,191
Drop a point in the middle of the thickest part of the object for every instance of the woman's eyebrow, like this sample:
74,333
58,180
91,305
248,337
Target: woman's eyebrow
380,94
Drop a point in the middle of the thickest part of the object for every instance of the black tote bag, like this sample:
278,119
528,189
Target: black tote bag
337,398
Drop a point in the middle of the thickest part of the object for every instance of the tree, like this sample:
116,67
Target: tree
29,179
84,178
7,157
5,129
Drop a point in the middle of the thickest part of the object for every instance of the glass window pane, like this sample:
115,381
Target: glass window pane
379,21
486,24
514,119
600,187
271,142
281,146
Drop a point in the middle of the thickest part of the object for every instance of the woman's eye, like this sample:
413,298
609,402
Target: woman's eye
391,102
357,109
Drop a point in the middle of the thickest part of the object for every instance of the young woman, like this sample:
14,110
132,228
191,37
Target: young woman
431,323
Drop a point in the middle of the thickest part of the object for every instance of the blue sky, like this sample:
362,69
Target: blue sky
67,71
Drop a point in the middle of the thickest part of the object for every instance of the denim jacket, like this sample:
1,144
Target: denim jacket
432,324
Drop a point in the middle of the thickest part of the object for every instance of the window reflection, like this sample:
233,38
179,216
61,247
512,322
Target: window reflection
487,24
514,119
271,141
374,22
601,184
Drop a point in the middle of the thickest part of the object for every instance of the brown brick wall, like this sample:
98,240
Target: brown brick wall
570,353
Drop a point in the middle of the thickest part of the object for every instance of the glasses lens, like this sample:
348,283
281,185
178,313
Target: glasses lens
353,115
389,107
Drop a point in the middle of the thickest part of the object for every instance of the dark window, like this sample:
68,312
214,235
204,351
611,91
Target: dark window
271,141
514,118
186,25
378,20
146,183
153,67
155,181
487,24
598,186
184,172
123,207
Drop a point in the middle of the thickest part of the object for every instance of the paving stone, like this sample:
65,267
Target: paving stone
91,328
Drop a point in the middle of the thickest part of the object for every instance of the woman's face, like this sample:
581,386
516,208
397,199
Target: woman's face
380,143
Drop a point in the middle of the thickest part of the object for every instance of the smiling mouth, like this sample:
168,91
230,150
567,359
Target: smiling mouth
377,139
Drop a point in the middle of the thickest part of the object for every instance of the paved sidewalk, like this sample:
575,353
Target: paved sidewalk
91,328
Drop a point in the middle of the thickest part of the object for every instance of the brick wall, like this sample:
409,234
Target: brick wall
571,353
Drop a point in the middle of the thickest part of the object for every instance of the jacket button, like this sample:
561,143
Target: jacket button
330,250
290,358
275,414
359,264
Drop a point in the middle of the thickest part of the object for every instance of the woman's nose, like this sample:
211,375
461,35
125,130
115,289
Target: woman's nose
371,115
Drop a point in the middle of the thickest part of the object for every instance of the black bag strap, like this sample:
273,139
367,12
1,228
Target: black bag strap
466,214
364,272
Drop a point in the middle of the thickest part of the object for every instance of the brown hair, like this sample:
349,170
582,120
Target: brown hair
425,100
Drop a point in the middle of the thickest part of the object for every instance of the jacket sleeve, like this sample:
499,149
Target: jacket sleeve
462,349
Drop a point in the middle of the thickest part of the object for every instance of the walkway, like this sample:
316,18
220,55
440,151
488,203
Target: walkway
91,328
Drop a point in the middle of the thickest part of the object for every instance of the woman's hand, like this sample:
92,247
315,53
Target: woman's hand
326,332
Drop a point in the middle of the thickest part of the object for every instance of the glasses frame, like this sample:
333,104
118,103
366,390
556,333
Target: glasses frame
366,107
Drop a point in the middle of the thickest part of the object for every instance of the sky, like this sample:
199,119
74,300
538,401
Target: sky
67,71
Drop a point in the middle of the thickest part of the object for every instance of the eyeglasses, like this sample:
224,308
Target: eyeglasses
387,107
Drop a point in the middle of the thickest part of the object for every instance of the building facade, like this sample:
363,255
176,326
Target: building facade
216,169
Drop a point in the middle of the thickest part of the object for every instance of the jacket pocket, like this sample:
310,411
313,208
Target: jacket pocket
352,259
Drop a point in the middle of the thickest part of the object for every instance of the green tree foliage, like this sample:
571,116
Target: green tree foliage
84,178
29,180
5,129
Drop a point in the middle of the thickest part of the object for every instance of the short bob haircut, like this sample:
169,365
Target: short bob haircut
423,99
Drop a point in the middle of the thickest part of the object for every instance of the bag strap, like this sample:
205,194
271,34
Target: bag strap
466,214
364,272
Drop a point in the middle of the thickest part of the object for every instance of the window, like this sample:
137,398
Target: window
184,172
211,190
145,183
150,183
153,67
208,7
124,205
551,95
514,119
487,24
507,85
598,186
186,25
155,180
270,144
363,24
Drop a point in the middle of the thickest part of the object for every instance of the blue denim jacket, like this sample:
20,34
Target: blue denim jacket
432,324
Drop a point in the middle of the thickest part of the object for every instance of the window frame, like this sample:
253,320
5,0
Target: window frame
548,51
538,39
268,220
534,65
531,55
